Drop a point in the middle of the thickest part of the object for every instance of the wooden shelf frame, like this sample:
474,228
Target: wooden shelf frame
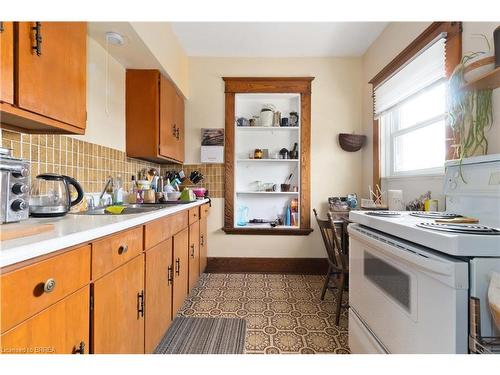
487,81
266,85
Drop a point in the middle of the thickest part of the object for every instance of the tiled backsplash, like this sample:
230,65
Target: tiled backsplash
90,164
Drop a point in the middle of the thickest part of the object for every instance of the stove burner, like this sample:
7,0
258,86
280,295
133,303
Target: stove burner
460,228
384,213
434,215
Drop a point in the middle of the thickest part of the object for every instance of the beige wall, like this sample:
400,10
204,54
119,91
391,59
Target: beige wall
105,112
162,42
336,107
395,37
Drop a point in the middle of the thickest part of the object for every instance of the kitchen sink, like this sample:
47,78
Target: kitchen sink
129,209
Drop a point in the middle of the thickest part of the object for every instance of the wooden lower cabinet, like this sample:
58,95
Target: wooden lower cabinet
181,264
194,254
158,297
62,328
203,244
117,314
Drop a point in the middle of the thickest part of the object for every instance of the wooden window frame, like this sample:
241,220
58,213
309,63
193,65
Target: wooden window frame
286,85
453,55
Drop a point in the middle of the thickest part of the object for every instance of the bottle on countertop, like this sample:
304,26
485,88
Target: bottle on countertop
118,190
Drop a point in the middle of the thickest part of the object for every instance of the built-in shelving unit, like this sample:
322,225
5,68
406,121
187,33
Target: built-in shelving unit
248,179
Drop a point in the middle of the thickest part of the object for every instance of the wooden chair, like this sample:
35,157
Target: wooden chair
338,262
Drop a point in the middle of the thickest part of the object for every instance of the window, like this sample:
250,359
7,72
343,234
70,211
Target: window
411,109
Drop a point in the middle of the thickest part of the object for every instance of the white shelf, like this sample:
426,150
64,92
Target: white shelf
268,127
269,192
267,160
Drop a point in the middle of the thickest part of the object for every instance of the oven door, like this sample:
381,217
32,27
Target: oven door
411,299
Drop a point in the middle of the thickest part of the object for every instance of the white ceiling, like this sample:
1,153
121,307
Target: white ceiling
276,39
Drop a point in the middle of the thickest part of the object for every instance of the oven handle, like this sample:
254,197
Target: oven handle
410,256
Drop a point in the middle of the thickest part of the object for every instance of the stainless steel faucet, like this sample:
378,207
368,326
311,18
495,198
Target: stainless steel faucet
109,183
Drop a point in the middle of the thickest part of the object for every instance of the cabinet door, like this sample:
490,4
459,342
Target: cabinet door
52,82
168,131
7,62
194,254
63,328
118,323
203,244
159,280
179,124
181,264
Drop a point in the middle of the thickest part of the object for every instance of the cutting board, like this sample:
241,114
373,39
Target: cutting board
12,231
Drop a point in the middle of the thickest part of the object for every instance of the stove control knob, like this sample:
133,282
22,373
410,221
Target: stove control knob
19,189
453,185
23,172
18,205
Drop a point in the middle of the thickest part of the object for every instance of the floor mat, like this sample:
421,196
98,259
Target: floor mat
189,335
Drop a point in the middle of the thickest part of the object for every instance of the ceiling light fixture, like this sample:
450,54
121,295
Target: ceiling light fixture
115,38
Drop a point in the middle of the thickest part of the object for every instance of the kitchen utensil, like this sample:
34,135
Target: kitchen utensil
285,187
257,154
267,115
196,177
14,187
269,186
464,220
277,118
149,196
284,153
199,191
50,195
173,196
242,216
294,153
242,121
18,230
265,153
284,121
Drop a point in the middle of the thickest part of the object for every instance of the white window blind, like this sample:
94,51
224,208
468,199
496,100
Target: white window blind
422,71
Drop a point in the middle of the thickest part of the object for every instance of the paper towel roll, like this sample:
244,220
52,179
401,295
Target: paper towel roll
395,200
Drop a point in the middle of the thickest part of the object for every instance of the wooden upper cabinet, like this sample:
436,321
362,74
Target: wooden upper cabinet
155,124
7,62
179,126
63,328
159,281
50,78
118,311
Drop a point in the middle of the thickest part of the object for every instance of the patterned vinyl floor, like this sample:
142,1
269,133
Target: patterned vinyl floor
284,313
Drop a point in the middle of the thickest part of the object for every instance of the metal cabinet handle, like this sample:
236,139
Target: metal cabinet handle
140,303
177,133
174,130
37,47
202,240
49,285
122,249
170,277
192,250
177,266
81,348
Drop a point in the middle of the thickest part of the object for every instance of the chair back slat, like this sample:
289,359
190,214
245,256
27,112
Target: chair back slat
331,241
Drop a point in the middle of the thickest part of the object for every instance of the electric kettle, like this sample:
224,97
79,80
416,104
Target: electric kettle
50,195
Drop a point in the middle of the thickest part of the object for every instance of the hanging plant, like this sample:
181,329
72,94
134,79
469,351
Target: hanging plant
470,111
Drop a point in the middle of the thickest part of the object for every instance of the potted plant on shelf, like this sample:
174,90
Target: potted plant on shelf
470,112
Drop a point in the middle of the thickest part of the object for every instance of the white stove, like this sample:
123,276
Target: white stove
411,277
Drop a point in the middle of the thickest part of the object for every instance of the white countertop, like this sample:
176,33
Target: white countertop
71,230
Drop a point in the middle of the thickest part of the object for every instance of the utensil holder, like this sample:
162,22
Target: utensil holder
285,187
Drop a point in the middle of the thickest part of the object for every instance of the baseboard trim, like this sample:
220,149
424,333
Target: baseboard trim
306,266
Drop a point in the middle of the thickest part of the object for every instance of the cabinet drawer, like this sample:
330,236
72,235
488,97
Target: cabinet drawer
29,290
161,229
204,211
112,251
194,215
